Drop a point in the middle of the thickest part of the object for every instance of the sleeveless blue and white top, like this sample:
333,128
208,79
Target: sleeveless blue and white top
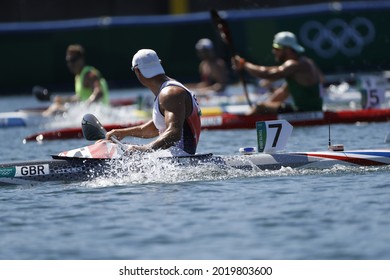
191,128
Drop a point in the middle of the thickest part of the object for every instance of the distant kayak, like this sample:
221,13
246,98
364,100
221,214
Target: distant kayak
216,119
34,117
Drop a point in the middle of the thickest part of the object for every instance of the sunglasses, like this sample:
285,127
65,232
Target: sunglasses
72,59
133,67
277,46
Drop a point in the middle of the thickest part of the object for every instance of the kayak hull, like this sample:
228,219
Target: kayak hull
72,169
54,170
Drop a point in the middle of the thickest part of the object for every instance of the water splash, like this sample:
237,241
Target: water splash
136,171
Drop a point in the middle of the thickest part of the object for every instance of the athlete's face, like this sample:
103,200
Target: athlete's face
139,75
205,54
279,54
74,63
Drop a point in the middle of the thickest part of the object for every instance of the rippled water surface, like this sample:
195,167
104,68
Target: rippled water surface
202,213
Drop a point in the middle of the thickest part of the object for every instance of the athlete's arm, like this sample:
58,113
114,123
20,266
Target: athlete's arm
173,106
147,130
92,81
287,69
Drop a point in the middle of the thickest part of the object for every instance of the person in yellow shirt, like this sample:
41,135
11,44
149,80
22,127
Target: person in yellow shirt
90,86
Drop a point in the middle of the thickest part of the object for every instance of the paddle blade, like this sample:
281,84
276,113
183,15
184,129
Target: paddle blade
223,29
92,128
41,93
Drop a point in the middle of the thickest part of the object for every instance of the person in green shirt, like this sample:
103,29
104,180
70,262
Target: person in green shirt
90,86
302,76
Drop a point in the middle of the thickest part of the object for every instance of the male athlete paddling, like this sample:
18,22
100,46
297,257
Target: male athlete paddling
303,78
176,113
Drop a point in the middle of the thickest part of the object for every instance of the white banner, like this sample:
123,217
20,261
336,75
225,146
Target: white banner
194,269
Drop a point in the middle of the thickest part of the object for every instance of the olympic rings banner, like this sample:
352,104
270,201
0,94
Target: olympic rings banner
337,35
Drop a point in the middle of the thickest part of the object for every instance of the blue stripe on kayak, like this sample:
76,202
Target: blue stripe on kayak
12,122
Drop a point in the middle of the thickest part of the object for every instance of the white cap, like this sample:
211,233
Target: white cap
148,63
287,39
204,44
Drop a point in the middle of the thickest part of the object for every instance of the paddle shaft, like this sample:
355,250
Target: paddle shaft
226,37
120,144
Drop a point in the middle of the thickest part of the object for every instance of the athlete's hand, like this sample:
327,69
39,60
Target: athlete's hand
117,133
137,149
238,63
